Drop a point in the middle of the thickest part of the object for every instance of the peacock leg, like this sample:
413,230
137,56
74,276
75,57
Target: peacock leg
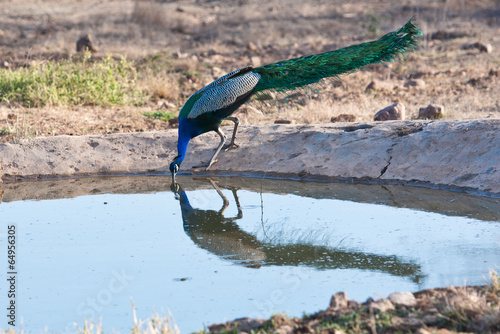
231,144
224,199
212,161
222,140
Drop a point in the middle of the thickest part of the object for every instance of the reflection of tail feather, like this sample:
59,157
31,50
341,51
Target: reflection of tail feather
232,246
222,236
326,258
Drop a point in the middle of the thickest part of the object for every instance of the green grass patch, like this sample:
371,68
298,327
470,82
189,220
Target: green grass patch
107,82
160,114
157,62
5,131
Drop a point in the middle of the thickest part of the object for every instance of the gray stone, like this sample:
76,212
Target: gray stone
284,121
256,61
482,47
338,300
383,305
403,299
390,113
422,331
86,43
431,111
417,83
343,118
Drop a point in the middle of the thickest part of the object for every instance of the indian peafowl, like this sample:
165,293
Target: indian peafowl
207,108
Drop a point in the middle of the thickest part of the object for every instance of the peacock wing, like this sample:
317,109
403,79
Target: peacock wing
225,92
226,77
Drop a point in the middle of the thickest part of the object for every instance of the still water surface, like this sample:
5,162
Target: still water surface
211,250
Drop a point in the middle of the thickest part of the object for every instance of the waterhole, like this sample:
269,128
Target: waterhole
212,250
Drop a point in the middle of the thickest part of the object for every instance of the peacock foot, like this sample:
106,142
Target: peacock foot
230,146
205,165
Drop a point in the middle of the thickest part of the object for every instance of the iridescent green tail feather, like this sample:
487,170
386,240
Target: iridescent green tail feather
298,72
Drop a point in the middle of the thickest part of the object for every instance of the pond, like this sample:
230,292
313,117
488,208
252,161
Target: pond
212,250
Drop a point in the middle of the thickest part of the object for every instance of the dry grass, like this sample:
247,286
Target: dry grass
180,46
466,309
18,124
155,325
160,86
463,309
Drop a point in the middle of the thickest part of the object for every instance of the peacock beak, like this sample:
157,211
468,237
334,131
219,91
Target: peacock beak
174,172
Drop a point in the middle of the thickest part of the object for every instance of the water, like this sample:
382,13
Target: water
214,250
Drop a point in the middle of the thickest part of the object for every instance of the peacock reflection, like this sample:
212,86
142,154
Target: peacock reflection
221,235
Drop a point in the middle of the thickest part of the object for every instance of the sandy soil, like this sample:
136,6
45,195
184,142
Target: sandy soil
215,37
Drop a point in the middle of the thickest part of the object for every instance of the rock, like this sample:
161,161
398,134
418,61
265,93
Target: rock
403,299
431,111
475,81
444,35
431,320
339,300
303,329
343,118
417,83
284,121
164,104
443,331
379,85
352,304
383,305
494,73
86,43
173,121
217,72
285,329
256,61
422,331
482,47
392,112
252,47
179,55
242,325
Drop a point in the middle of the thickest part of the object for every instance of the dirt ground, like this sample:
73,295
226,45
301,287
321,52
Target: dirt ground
203,40
440,311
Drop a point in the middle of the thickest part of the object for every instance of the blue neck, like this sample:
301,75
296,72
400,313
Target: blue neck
185,135
182,145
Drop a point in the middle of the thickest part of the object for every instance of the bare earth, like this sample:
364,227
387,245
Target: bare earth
201,41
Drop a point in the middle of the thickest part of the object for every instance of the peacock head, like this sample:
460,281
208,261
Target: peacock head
175,166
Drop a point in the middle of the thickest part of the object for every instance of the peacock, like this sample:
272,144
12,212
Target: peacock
208,107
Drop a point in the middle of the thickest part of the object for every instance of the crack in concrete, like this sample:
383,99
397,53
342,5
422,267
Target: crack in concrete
382,172
389,151
402,132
